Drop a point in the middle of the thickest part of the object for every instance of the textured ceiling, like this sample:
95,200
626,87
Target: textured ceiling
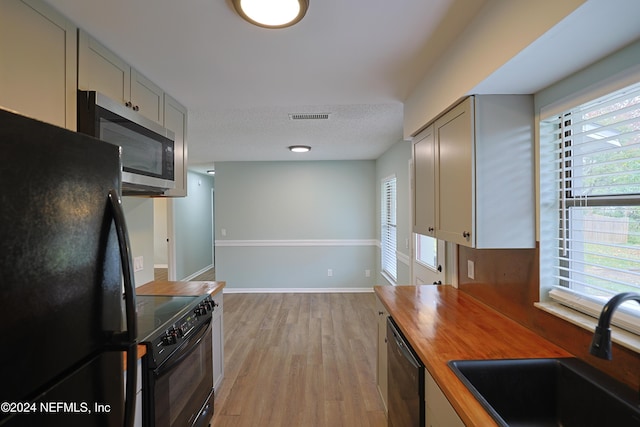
356,59
351,131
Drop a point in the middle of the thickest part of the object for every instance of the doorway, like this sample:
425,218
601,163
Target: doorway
428,261
163,259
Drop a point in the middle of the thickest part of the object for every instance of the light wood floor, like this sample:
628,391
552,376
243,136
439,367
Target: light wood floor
299,360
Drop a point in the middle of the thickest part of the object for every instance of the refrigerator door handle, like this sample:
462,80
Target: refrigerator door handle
130,304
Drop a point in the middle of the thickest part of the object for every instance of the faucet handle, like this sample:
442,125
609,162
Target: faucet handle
601,343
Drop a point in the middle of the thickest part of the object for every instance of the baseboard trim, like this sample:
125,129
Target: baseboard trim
228,290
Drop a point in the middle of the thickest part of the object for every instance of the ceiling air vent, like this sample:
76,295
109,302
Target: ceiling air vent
309,116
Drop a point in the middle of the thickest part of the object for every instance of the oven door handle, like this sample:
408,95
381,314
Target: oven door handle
187,348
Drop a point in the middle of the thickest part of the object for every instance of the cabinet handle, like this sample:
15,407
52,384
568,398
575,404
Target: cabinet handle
128,104
136,108
466,234
430,229
380,313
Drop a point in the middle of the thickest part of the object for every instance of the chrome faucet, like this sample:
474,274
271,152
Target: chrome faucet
601,343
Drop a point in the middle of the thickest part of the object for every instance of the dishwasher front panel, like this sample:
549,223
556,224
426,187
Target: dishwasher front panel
406,405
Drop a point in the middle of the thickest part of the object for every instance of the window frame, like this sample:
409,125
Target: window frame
389,228
418,251
556,201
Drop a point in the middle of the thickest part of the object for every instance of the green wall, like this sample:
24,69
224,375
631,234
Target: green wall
193,226
395,161
283,225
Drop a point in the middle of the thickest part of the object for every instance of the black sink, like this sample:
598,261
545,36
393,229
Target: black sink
548,392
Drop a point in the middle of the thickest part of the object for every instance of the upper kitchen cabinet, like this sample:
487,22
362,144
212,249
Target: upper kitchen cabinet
424,183
175,119
38,62
485,190
101,70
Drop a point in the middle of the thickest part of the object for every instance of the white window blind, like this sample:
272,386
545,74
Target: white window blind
590,168
388,227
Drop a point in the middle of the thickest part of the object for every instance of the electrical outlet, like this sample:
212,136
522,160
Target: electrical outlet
471,270
367,273
138,263
329,272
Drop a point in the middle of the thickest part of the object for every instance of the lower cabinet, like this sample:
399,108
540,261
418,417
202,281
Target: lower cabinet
137,420
439,412
217,331
381,372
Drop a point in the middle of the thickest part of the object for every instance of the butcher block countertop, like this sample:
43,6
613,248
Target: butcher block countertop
443,324
180,288
175,288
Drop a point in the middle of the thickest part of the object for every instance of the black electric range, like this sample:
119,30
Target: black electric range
165,322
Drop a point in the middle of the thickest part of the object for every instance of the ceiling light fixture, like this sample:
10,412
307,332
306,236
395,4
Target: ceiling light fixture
271,13
211,171
299,148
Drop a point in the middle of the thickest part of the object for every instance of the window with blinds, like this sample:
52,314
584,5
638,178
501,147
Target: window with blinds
388,228
590,169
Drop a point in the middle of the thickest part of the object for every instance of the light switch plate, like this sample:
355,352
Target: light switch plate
138,263
471,273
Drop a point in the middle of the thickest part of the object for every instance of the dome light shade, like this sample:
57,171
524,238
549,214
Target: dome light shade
271,13
299,148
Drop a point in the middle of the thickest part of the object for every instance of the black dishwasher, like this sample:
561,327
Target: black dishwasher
406,406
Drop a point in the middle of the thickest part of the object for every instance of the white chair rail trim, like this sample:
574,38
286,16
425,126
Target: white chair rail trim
289,243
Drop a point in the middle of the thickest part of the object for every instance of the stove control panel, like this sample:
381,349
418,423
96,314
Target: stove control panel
168,340
206,306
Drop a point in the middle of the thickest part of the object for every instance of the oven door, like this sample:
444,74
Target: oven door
180,390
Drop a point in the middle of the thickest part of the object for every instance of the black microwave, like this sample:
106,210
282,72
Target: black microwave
147,149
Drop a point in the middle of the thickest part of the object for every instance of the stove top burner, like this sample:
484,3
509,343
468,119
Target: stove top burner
166,322
154,311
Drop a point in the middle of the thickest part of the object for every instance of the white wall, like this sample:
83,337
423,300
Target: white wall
138,212
160,232
500,31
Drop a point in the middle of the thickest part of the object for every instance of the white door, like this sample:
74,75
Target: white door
427,253
163,245
160,233
428,263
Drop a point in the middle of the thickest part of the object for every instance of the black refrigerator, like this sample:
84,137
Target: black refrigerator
67,298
